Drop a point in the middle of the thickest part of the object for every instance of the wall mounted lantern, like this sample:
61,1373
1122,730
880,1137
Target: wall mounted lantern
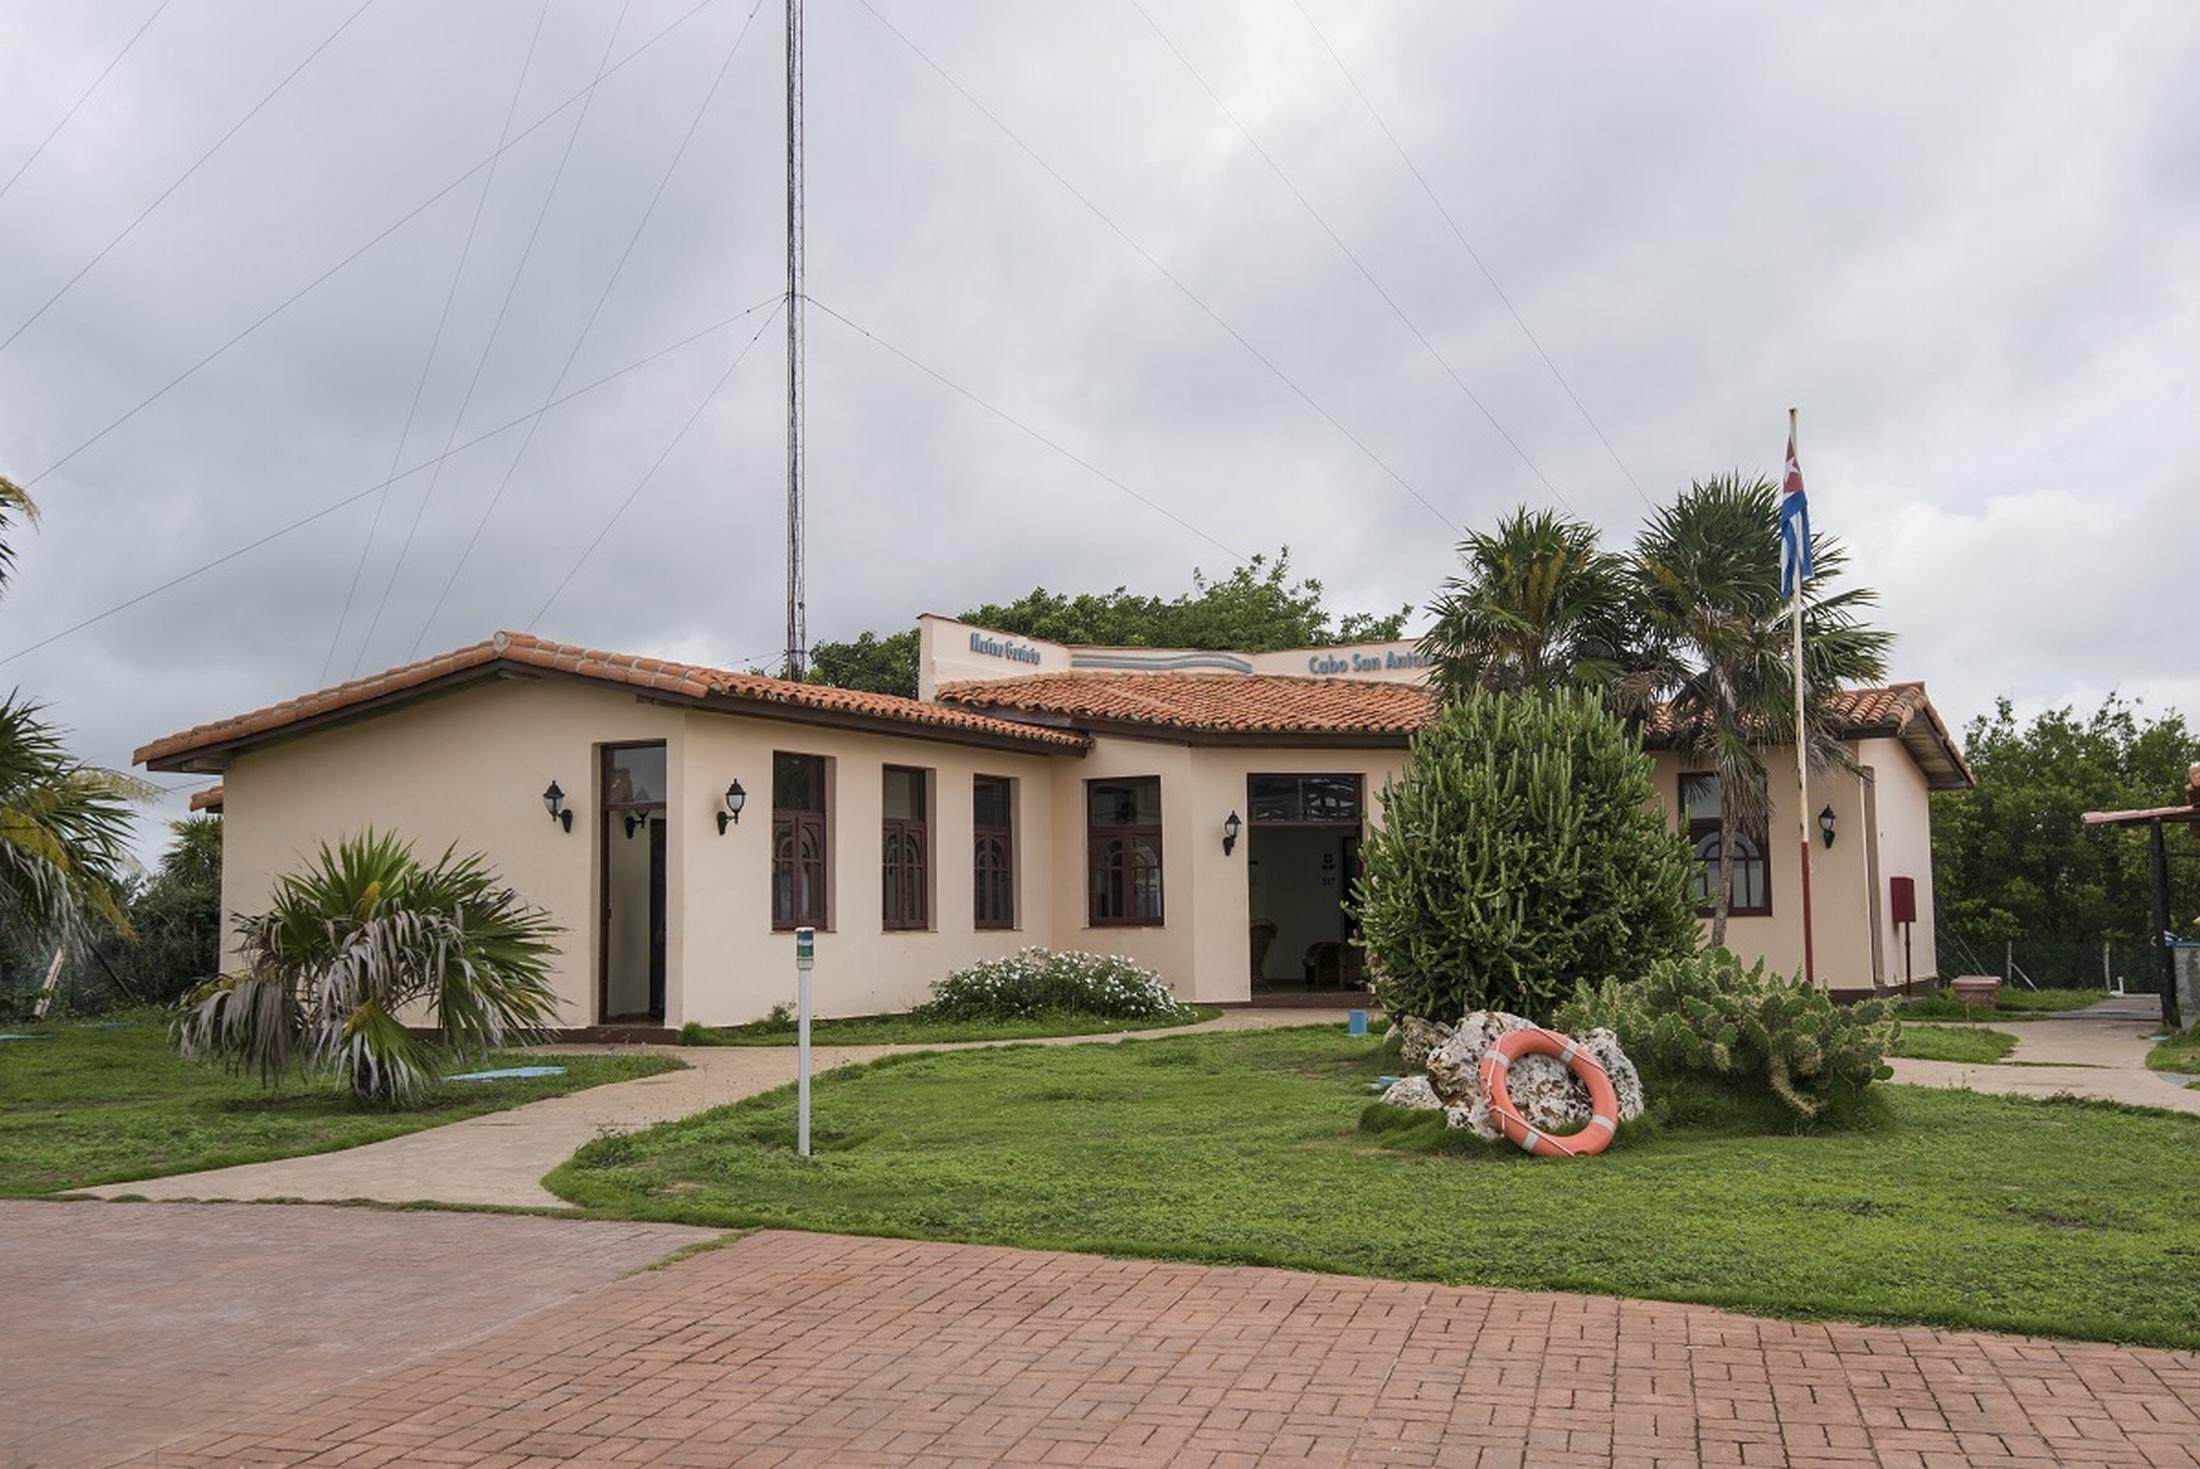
1825,825
635,821
1230,830
736,798
554,799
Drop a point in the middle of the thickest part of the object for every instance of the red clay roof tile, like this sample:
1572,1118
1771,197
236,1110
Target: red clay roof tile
521,650
1222,703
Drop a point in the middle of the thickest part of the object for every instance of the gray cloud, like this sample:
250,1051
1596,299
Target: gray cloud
1962,241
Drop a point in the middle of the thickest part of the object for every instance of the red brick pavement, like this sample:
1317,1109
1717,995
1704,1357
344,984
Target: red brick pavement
794,1349
123,1326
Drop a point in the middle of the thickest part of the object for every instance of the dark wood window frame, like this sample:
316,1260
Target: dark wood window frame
1703,837
1354,822
993,860
1113,850
905,859
628,819
801,846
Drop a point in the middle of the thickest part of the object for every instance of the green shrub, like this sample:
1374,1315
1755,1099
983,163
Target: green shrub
1522,851
1706,1018
1035,981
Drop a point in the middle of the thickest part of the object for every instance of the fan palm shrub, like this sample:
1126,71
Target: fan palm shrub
356,941
1707,583
1538,605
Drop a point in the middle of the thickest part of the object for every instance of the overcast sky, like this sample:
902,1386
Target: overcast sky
1965,240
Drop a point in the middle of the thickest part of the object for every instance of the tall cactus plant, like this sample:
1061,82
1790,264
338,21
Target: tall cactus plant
1521,852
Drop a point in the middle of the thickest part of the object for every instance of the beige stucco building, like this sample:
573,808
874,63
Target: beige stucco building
1198,811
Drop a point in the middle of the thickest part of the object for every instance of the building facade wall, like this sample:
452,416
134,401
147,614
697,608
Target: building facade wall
1849,901
468,768
736,967
1203,944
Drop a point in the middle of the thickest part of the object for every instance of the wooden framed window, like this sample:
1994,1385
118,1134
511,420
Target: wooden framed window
799,853
1123,851
906,854
1751,896
993,830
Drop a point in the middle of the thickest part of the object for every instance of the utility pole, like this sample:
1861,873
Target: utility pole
798,637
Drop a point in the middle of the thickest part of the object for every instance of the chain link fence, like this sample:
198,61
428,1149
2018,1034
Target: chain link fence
2056,966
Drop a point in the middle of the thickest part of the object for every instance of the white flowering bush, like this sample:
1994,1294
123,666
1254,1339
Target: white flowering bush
1035,981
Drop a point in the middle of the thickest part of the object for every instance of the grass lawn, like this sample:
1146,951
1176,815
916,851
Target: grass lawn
2178,1053
2010,1003
104,1105
910,1030
1249,1147
1966,1043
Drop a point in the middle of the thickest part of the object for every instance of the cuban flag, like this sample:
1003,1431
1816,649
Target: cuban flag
1794,525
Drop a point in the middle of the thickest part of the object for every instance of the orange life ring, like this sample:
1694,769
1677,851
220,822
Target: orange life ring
1603,1100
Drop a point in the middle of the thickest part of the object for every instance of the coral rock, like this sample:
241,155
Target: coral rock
1414,1092
1543,1091
1417,1038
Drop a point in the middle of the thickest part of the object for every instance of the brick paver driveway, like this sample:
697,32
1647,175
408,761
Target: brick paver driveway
790,1349
126,1326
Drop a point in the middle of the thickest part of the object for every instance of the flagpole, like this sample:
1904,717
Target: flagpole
1802,758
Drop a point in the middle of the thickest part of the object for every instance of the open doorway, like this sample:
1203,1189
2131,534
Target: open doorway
1302,861
631,987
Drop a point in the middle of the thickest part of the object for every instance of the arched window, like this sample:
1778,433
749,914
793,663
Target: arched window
1123,850
994,851
1752,892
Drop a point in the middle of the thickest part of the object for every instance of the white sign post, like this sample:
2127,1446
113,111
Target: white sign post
805,956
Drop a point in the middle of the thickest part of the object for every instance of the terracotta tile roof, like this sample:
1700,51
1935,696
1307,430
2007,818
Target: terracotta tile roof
209,799
1224,703
1900,711
1215,703
758,693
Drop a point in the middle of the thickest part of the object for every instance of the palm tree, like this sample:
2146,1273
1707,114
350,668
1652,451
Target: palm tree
1537,606
15,505
362,937
64,825
64,835
1707,583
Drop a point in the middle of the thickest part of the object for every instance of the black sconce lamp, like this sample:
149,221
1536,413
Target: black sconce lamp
554,799
1230,830
635,821
1825,825
736,798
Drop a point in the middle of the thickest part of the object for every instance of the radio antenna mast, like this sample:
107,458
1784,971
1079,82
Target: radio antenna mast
798,651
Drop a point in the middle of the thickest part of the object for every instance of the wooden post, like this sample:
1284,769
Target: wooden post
46,990
2165,963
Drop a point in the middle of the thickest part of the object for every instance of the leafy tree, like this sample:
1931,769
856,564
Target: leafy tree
1521,852
1256,608
361,937
177,918
2012,859
1537,604
1707,583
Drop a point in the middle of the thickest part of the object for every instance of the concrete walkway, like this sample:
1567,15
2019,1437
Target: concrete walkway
501,1158
2099,1052
787,1349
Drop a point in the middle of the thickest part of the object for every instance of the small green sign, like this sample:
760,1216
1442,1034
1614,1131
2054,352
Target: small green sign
805,943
